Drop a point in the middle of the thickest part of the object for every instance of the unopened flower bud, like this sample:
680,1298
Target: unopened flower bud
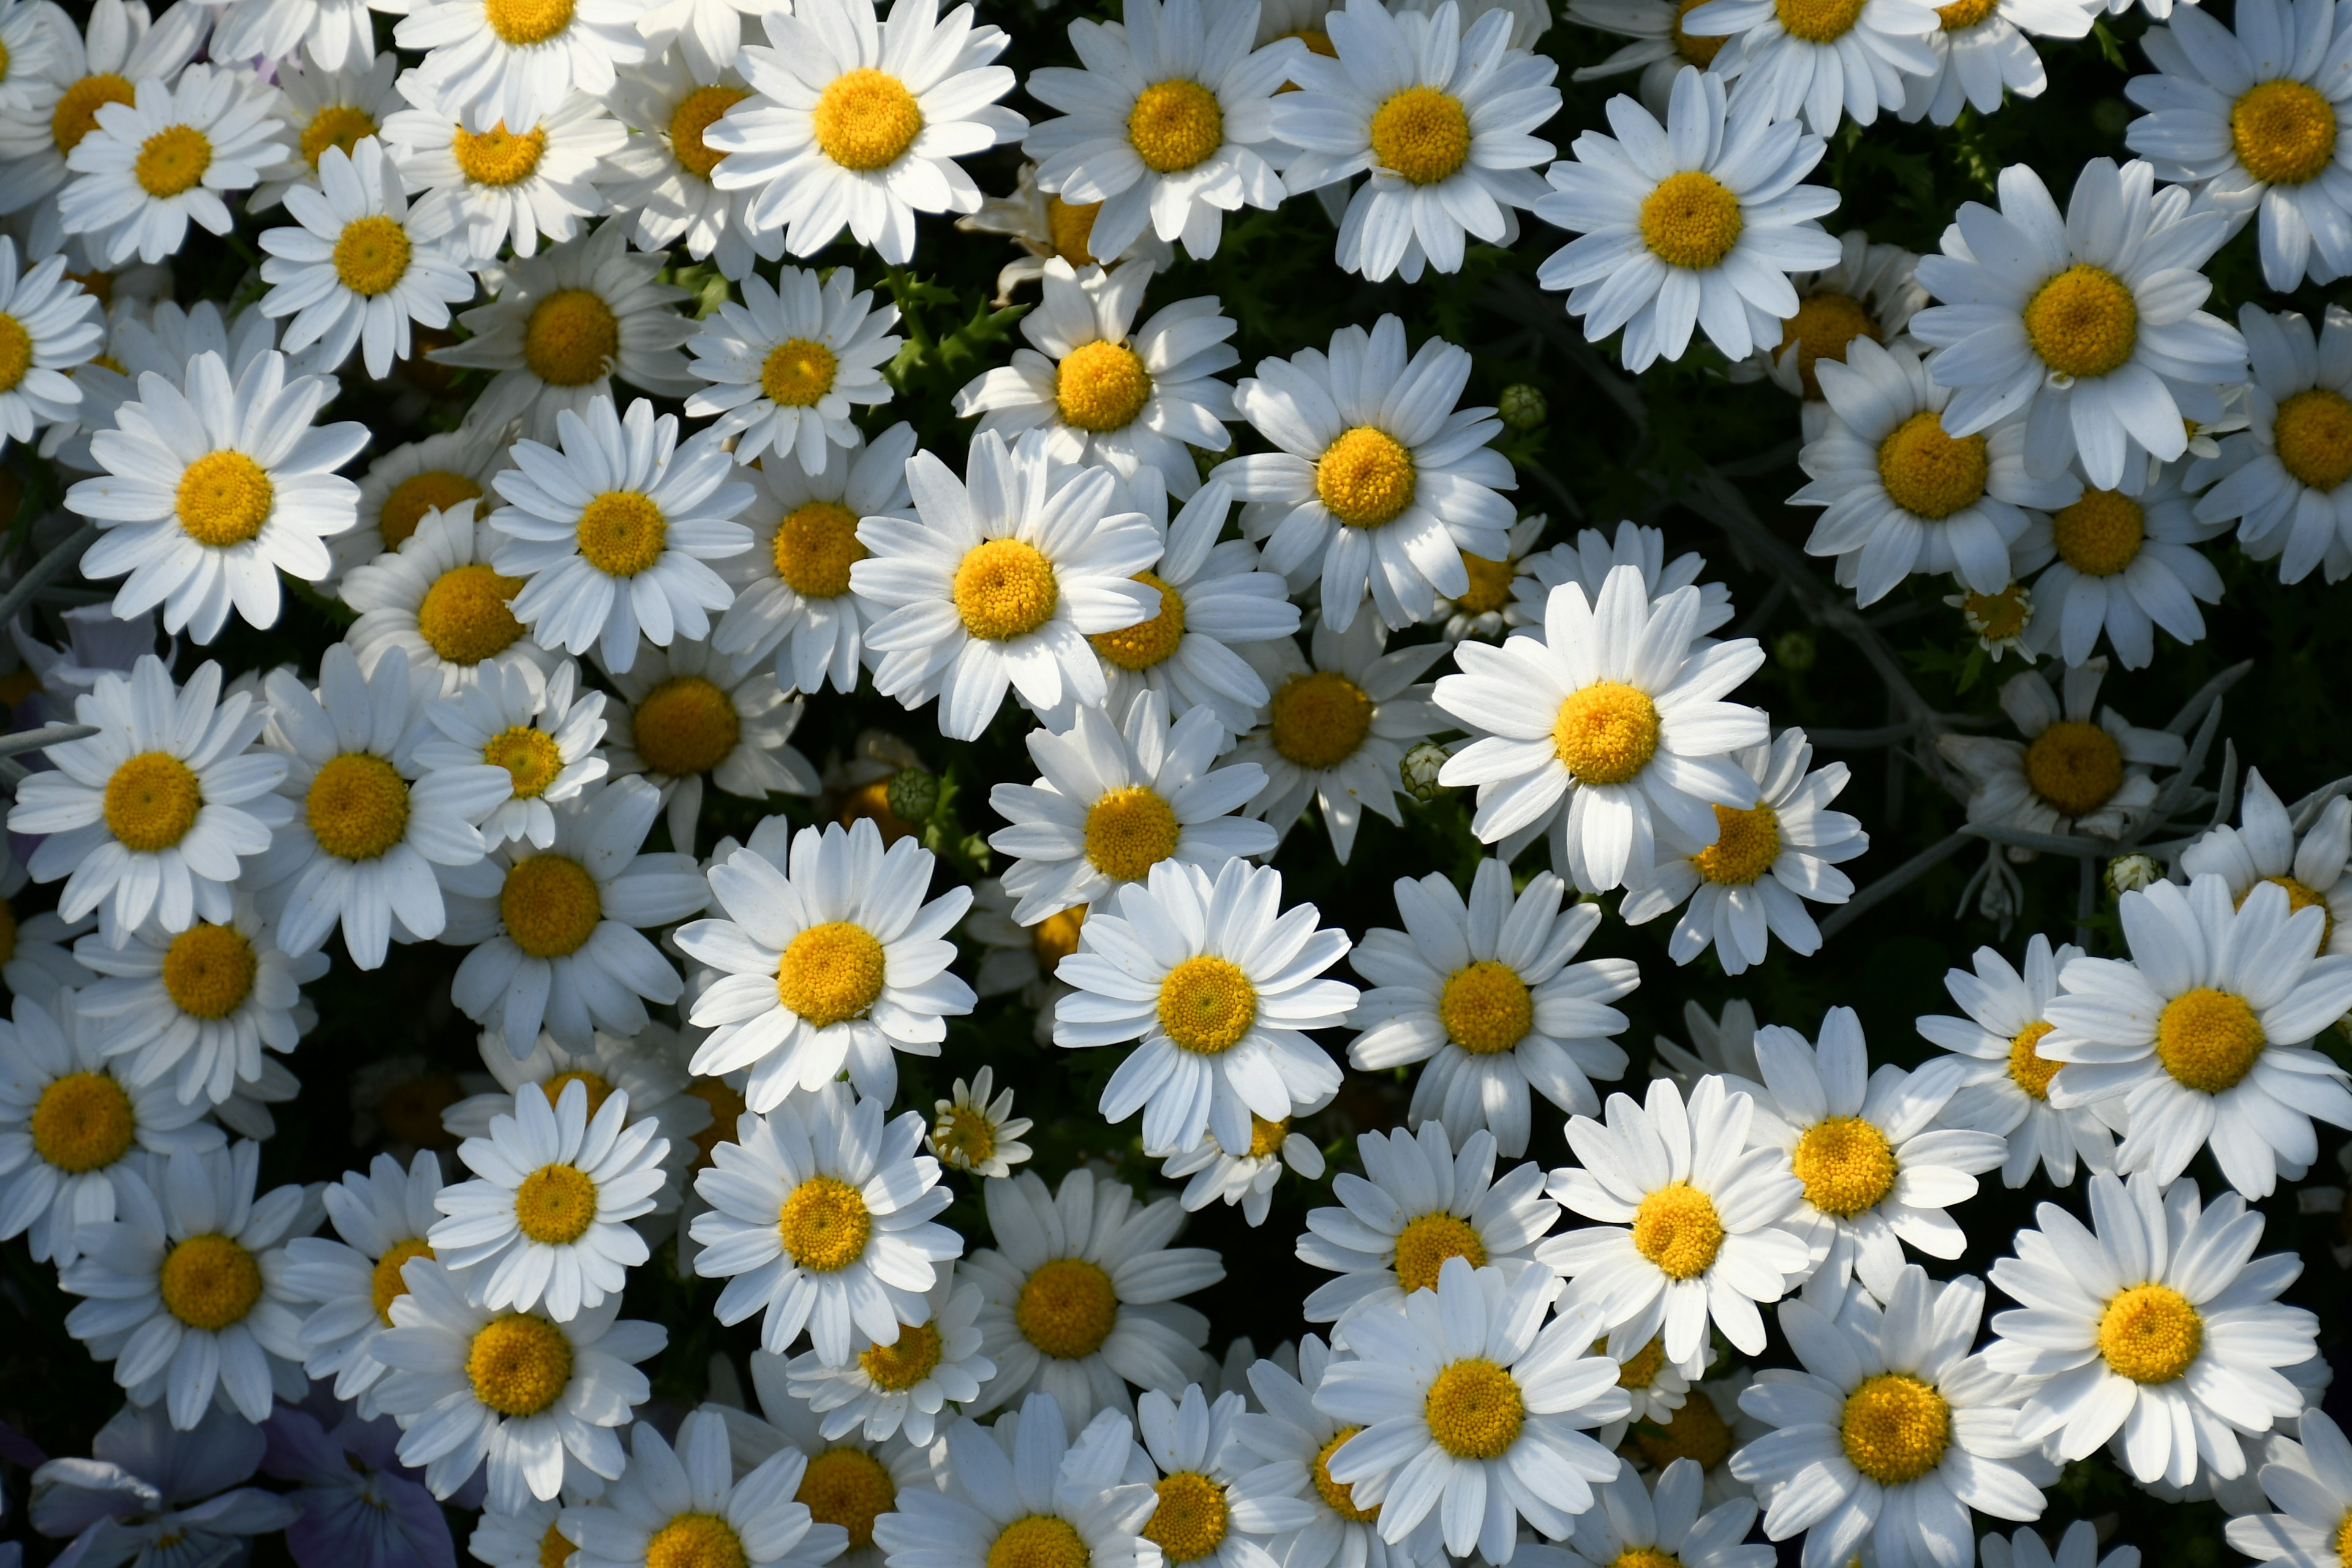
1795,650
2130,873
1522,407
913,794
1420,768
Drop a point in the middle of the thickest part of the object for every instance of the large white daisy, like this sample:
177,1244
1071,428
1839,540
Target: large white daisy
169,155
513,62
435,596
2282,478
379,1217
788,364
1825,60
503,184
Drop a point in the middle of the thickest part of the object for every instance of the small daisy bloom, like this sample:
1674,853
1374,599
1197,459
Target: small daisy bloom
998,580
2156,1325
2303,852
906,1385
1044,226
2308,1478
2125,567
1825,60
1767,859
1613,718
857,123
2087,322
978,1135
1294,1442
1660,48
1696,222
1081,1300
49,324
449,471
1491,603
1106,390
851,1482
436,598
545,736
1246,1177
1594,554
150,165
1381,484
1633,1524
829,960
150,816
614,534
687,1503
93,67
513,62
381,1216
2081,768
1692,1225
2206,1034
1220,983
1869,294
185,1291
647,1067
787,366
326,108
1217,1506
686,710
500,184
662,178
2282,477
1482,991
1982,52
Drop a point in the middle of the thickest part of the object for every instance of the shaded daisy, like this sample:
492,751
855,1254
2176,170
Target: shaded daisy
1246,1177
686,710
1592,555
1982,50
325,108
167,155
380,1217
2079,768
906,1386
1869,294
2281,480
1669,1515
1044,226
449,471
2124,568
787,366
436,598
1216,1506
662,178
49,325
686,1500
153,1496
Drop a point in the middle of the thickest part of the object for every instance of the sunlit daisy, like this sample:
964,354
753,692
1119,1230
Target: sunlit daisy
503,184
2124,568
435,597
1869,294
687,1503
449,471
380,1218
907,1385
2303,852
1826,61
325,109
2309,1480
788,364
662,178
150,166
1490,605
49,325
2282,477
1981,51
2081,768
1217,1505
977,1134
1593,555
545,735
94,66
686,710
512,62
1246,1177
1660,48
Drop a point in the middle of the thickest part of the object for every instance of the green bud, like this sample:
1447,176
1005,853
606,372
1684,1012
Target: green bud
1419,770
913,794
1523,406
1795,650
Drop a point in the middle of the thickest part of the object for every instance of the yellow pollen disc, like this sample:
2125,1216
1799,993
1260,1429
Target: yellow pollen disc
1606,732
209,1282
2151,1333
2208,1039
2284,132
1319,719
1366,478
727,1108
866,119
572,337
1698,48
385,1285
337,125
1267,1137
2101,533
2083,322
1846,1163
1068,1308
1039,1540
824,1225
1101,385
1746,845
1490,584
1175,125
1129,831
897,1368
555,1548
2075,766
1818,21
521,22
1485,1008
530,756
1825,326
208,970
1927,473
15,351
1004,588
1475,1409
850,1488
694,114
2028,1068
797,372
595,1084
1428,1242
1961,14
555,1204
358,807
622,532
436,489
1421,135
464,616
224,499
815,546
2299,897
172,161
83,1121
1339,1496
1641,1369
1207,1004
871,802
831,973
411,1109
1644,1557
1676,1228
151,801
1068,225
76,114
1189,1519
1895,1428
550,905
696,1541
498,157
371,255
1691,220
1697,1431
1055,937
1146,642
964,1137
2313,435
685,725
2344,1538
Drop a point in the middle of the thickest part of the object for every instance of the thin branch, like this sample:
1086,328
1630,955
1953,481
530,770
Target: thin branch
1895,881
37,576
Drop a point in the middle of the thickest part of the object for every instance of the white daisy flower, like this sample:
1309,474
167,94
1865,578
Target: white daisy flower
1633,1524
999,582
647,1068
70,1124
515,1538
851,1482
1693,222
2079,1547
857,123
787,366
1220,984
558,931
534,1400
150,166
829,960
687,1503
150,816
2079,768
1294,1442
1417,1204
906,1386
448,471
49,325
545,736
2282,478
1381,484
978,1135
664,174
513,62
94,66
1588,563
2303,853
2157,1324
1725,1044
213,487
436,598
2124,566
39,961
1613,718
1694,1225
329,32
325,109
380,1217
1490,604
1981,51
614,534
1081,1294
185,1291
1869,293
499,184
1244,1178
1216,1506
1825,60
1482,991
1767,859
2308,1478
686,710
1660,48
31,77
1107,392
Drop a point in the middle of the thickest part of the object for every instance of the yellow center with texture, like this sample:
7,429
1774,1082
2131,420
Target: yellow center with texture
1475,1409
2151,1333
75,115
1339,1496
866,119
223,499
696,1541
2075,766
1676,1228
1606,732
1038,1541
172,161
436,489
357,807
1642,1368
1824,328
1846,1163
962,1135
2312,433
550,905
531,757
1068,225
1927,473
1067,1308
1961,14
2283,132
1818,21
824,1225
2299,897
1207,1004
593,1085
1691,220
1421,135
899,1367
1319,719
1644,1557
1101,386
1895,1428
208,970
1175,125
371,255
1004,588
151,801
209,1282
2101,533
1698,48
555,1204
1489,588
815,546
2028,1068
83,1121
1485,1008
1189,1518
571,338
339,125
2208,1040
555,1548
1746,845
2083,322
466,616
684,726
798,371
695,114
850,1488
385,1284
1129,831
522,23
499,158
620,533
1428,1242
1366,478
831,973
15,351
1147,643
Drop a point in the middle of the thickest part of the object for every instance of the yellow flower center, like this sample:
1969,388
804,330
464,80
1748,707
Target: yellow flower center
2314,435
83,1121
500,157
1490,584
831,973
694,114
1004,588
1676,1228
172,161
815,546
1129,831
1319,719
465,617
696,1541
436,489
151,801
1146,642
2284,131
2028,1068
208,970
1846,1163
866,119
594,1085
964,1135
1055,937
371,255
2075,766
1895,1428
1642,1368
850,1488
897,1368
1366,478
521,22
1697,1431
209,1282
1485,1008
1067,1308
224,499
1818,21
337,125
2208,1039
685,725
1068,225
15,351
727,1109
1428,1242
358,807
1927,473
1339,1496
2099,534
385,1284
1207,1004
1421,135
530,757
555,1204
798,371
1039,1540
2299,897
824,1225
1691,220
1606,732
1746,845
1474,1409
550,905
1961,14
1826,324
1101,385
2083,322
2151,1333
622,532
1644,1557
76,113
1698,48
572,337
2344,1538
1189,1519
519,1364
1175,125
1267,1137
